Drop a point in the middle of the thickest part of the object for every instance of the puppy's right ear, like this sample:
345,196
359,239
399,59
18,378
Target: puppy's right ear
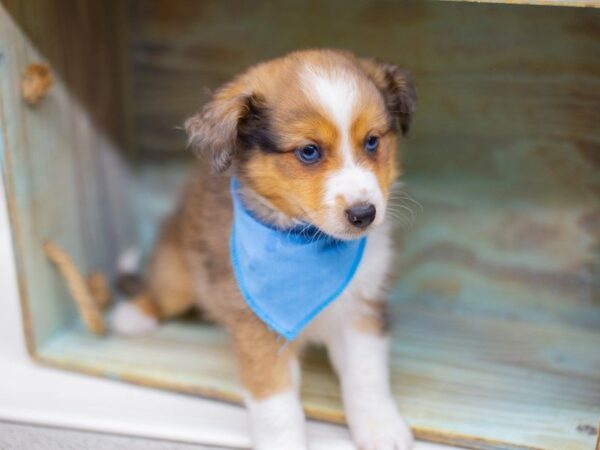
213,130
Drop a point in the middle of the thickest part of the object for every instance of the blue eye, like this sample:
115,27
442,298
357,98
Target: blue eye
371,144
309,154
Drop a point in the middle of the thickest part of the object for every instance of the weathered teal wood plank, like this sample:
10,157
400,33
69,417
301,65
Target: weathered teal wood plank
491,249
504,151
576,3
55,153
485,383
483,70
32,187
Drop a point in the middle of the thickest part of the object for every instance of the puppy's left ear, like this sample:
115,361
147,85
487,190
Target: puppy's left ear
397,87
214,129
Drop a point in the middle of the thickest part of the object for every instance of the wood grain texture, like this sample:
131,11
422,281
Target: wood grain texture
504,151
485,383
505,145
484,76
59,156
492,249
577,3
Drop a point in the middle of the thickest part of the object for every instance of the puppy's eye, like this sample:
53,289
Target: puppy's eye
371,144
309,154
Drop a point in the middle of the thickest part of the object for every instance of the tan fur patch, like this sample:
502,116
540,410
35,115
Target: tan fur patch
264,360
374,319
383,163
171,285
146,305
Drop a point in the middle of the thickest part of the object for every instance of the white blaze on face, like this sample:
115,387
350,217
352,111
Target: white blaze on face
337,91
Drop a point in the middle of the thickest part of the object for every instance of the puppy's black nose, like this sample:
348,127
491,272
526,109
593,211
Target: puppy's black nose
361,215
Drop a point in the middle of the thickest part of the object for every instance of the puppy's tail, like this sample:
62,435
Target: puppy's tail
135,313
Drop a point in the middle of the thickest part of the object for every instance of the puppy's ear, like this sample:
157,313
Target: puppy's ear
397,87
214,129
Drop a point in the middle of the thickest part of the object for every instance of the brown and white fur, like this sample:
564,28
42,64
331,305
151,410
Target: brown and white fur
255,124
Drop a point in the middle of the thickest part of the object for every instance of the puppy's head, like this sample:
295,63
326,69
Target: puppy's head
314,134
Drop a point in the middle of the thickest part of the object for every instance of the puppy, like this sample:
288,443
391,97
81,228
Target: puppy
311,139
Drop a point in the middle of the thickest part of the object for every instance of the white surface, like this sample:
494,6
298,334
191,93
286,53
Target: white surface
35,394
18,436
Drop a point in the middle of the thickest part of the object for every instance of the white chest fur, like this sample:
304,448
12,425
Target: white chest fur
361,358
368,285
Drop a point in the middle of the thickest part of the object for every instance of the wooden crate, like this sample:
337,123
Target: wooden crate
496,305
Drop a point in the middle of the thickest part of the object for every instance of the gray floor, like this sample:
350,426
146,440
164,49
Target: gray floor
15,436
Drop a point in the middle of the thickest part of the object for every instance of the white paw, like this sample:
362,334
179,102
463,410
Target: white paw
382,429
277,422
128,320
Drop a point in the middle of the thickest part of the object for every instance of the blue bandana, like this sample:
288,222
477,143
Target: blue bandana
288,276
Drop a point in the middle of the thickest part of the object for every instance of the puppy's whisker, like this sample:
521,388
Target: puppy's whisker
405,208
412,200
399,217
398,192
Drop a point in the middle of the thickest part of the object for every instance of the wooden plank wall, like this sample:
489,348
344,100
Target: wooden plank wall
504,151
61,163
481,69
497,302
577,3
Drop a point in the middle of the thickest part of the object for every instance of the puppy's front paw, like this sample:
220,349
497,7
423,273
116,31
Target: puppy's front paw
380,429
277,422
